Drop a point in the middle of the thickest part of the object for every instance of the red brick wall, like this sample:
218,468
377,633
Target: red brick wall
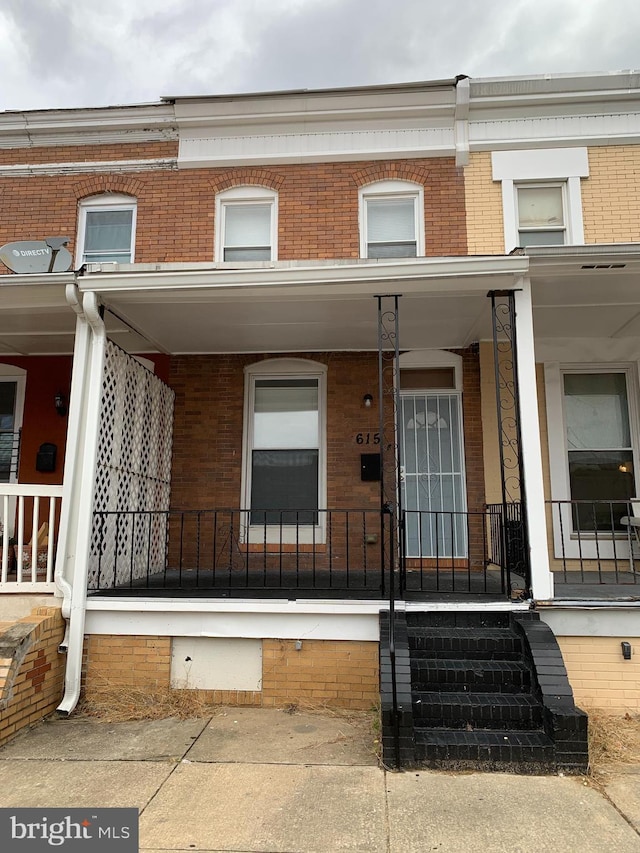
318,203
207,447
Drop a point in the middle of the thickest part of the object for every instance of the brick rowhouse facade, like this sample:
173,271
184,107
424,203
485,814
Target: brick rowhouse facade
317,203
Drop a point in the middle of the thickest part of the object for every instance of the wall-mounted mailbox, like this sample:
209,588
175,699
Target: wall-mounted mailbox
370,467
46,458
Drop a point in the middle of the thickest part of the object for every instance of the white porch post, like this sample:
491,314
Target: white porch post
541,577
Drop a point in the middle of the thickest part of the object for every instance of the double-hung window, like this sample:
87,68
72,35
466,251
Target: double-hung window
246,224
541,214
106,229
391,220
592,427
284,444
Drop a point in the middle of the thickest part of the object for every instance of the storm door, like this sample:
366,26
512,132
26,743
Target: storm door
432,474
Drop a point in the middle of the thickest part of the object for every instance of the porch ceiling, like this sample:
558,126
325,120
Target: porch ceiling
294,308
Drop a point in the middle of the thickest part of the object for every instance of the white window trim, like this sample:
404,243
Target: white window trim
248,194
543,166
11,373
559,457
392,189
284,368
105,201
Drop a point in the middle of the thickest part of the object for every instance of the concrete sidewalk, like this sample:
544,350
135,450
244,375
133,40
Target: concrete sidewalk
265,780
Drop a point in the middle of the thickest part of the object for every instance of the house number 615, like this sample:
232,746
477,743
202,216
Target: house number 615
368,438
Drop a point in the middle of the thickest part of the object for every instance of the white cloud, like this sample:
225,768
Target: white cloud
66,53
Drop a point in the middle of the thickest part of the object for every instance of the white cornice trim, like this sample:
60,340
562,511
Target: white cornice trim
142,123
554,131
24,170
304,147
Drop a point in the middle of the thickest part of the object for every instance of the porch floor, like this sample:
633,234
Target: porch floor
597,586
355,584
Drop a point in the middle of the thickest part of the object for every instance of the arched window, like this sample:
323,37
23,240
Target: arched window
247,224
106,229
392,220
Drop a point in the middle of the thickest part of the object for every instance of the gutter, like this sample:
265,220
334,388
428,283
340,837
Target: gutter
90,350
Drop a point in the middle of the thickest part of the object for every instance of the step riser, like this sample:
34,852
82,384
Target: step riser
507,755
477,718
458,620
433,680
453,653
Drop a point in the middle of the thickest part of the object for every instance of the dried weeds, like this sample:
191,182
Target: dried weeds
115,703
614,741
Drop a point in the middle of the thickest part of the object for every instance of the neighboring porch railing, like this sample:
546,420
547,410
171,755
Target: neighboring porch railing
239,550
29,515
593,543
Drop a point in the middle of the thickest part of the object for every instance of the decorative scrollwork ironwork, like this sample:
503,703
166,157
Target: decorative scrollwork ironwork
514,519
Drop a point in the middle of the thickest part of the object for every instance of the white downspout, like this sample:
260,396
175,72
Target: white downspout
81,497
65,554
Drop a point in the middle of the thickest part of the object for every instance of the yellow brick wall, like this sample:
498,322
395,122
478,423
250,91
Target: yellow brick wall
611,195
31,681
483,201
338,673
126,661
599,675
324,672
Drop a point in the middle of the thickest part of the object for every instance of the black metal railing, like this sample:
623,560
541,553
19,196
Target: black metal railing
595,542
221,550
464,552
9,455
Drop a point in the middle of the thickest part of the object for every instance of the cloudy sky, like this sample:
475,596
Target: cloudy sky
72,53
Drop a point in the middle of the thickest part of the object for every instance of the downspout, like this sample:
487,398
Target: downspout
82,494
80,351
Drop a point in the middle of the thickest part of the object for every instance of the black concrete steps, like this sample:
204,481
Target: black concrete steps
481,690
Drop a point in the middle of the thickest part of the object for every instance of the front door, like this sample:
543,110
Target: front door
433,480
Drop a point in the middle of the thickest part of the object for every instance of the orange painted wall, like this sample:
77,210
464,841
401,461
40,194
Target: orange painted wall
46,376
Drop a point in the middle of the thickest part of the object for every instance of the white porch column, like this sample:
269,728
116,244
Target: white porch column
541,577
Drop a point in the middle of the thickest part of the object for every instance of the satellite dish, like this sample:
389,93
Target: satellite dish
37,256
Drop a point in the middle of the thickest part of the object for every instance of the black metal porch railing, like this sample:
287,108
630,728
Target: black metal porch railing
594,543
344,553
220,550
9,455
463,552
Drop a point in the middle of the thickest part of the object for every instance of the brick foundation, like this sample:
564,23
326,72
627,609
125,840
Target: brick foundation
340,674
599,675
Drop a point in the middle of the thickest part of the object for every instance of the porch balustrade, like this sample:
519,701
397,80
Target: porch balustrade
593,543
335,552
29,518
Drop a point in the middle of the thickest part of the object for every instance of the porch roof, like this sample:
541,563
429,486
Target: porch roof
288,306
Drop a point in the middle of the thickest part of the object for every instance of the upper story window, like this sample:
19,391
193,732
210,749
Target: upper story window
246,224
541,214
392,220
541,195
106,229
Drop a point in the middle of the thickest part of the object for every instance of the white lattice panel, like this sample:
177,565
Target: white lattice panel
132,488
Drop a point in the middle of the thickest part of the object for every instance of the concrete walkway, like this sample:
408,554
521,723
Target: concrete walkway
265,780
